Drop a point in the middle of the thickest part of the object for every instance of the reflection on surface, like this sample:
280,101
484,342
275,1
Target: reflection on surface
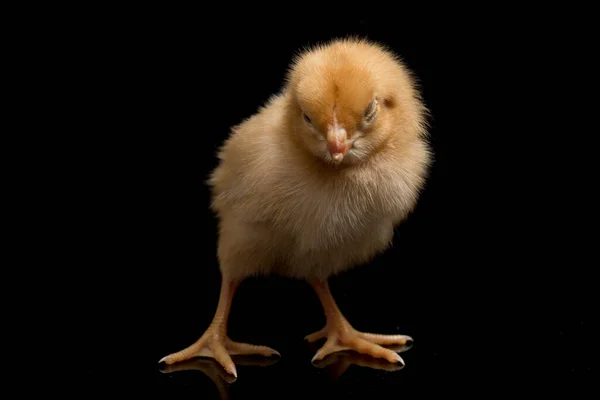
293,371
217,374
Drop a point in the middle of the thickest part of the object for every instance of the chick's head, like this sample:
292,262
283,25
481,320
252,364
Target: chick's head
347,97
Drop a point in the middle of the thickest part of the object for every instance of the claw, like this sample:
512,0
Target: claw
399,359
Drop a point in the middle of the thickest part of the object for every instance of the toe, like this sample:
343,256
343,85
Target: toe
330,347
182,355
237,348
365,347
220,354
313,337
385,339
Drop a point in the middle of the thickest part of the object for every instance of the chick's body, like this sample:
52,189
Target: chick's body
283,211
316,181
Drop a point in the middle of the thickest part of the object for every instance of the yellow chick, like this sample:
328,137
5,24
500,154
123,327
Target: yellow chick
314,183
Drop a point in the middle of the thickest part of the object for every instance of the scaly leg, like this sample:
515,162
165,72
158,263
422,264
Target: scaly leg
342,336
214,342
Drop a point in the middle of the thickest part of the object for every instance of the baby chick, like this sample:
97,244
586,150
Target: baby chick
314,183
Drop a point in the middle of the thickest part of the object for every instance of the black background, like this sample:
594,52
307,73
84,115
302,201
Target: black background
170,87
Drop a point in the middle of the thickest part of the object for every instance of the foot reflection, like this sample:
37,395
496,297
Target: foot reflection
217,374
337,363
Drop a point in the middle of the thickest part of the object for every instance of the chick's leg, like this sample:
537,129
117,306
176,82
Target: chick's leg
342,336
214,342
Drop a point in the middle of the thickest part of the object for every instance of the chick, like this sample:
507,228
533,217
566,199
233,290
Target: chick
314,183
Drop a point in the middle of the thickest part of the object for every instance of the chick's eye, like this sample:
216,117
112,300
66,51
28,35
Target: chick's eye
371,111
307,119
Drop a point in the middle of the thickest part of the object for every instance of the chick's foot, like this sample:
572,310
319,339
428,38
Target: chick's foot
342,336
215,344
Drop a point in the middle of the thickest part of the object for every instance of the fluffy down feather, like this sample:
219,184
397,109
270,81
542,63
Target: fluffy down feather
285,206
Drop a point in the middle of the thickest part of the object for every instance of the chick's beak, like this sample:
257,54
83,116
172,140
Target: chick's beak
337,144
